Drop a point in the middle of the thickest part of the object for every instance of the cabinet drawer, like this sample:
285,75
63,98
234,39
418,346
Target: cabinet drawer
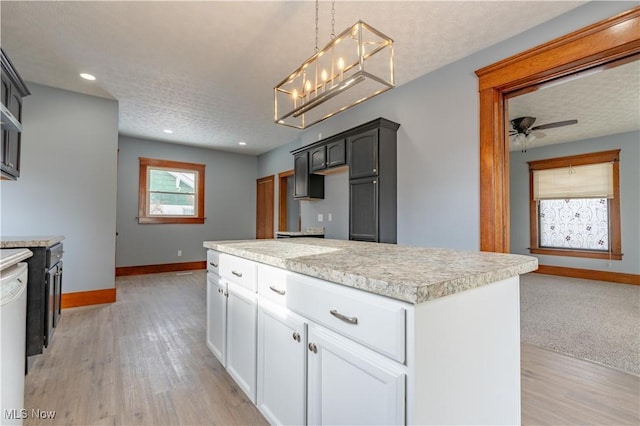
240,271
272,283
372,320
213,261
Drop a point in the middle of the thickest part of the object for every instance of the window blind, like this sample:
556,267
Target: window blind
591,180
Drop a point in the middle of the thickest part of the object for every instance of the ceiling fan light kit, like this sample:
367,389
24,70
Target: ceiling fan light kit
354,66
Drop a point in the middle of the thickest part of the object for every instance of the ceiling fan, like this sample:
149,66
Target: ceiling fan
523,130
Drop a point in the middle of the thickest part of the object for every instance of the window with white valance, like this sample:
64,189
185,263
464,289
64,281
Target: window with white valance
587,181
575,206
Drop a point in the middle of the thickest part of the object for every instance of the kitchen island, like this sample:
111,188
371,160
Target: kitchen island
389,334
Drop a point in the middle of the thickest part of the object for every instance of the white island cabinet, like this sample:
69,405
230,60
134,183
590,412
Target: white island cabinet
343,332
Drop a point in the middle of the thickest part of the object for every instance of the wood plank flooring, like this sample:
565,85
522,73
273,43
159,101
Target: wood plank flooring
144,361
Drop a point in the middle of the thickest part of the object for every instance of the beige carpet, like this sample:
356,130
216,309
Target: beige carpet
594,320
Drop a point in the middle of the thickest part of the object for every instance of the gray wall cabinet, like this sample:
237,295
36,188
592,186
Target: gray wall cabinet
13,90
370,153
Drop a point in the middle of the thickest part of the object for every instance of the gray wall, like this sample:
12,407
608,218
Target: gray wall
230,204
336,202
68,182
629,143
438,141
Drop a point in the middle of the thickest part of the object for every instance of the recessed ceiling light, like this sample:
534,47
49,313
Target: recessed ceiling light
87,76
168,131
242,143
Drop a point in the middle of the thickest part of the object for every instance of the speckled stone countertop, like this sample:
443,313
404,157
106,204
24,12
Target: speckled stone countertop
29,241
9,257
410,274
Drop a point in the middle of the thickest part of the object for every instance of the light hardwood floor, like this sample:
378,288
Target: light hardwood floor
143,361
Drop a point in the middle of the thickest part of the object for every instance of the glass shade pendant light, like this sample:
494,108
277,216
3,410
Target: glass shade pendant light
354,66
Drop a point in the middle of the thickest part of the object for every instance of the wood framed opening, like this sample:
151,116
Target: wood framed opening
283,198
595,45
264,207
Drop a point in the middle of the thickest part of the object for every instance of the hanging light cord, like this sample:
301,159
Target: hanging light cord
333,19
317,26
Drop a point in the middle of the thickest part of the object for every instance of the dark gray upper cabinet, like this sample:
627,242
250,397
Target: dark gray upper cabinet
317,157
336,153
363,151
13,90
306,185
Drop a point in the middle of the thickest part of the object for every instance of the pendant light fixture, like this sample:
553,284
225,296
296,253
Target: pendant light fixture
356,65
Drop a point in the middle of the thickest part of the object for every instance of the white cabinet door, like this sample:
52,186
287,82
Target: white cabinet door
282,340
216,317
242,311
350,384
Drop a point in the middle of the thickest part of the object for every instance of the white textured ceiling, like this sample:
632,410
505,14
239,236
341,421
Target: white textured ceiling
604,103
207,69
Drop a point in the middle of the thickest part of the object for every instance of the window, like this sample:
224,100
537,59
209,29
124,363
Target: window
170,192
575,206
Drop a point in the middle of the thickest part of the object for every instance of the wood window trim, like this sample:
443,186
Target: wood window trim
606,41
143,217
615,239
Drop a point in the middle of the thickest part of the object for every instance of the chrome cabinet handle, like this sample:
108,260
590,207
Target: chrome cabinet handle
237,274
277,290
215,265
350,320
313,348
296,336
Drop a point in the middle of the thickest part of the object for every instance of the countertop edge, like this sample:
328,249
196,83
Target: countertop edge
10,257
397,290
29,241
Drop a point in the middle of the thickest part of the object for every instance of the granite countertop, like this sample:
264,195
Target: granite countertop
29,241
410,274
9,257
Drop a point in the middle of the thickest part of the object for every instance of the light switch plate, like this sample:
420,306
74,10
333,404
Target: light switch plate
320,217
329,217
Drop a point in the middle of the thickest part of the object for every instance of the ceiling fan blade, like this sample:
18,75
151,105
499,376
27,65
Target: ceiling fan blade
556,124
522,124
539,134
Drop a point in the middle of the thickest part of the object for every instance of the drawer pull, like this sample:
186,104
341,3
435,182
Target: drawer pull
215,265
350,320
277,290
296,336
237,274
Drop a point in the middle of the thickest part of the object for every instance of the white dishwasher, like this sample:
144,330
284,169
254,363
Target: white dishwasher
13,324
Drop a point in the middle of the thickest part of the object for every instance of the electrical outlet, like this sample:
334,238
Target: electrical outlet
320,217
179,253
329,217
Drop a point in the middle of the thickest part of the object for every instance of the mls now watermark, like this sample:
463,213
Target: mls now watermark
34,413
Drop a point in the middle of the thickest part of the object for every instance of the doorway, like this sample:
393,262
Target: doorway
592,46
288,207
264,207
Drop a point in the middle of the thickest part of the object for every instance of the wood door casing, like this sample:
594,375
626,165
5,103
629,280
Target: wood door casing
593,46
283,197
264,207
